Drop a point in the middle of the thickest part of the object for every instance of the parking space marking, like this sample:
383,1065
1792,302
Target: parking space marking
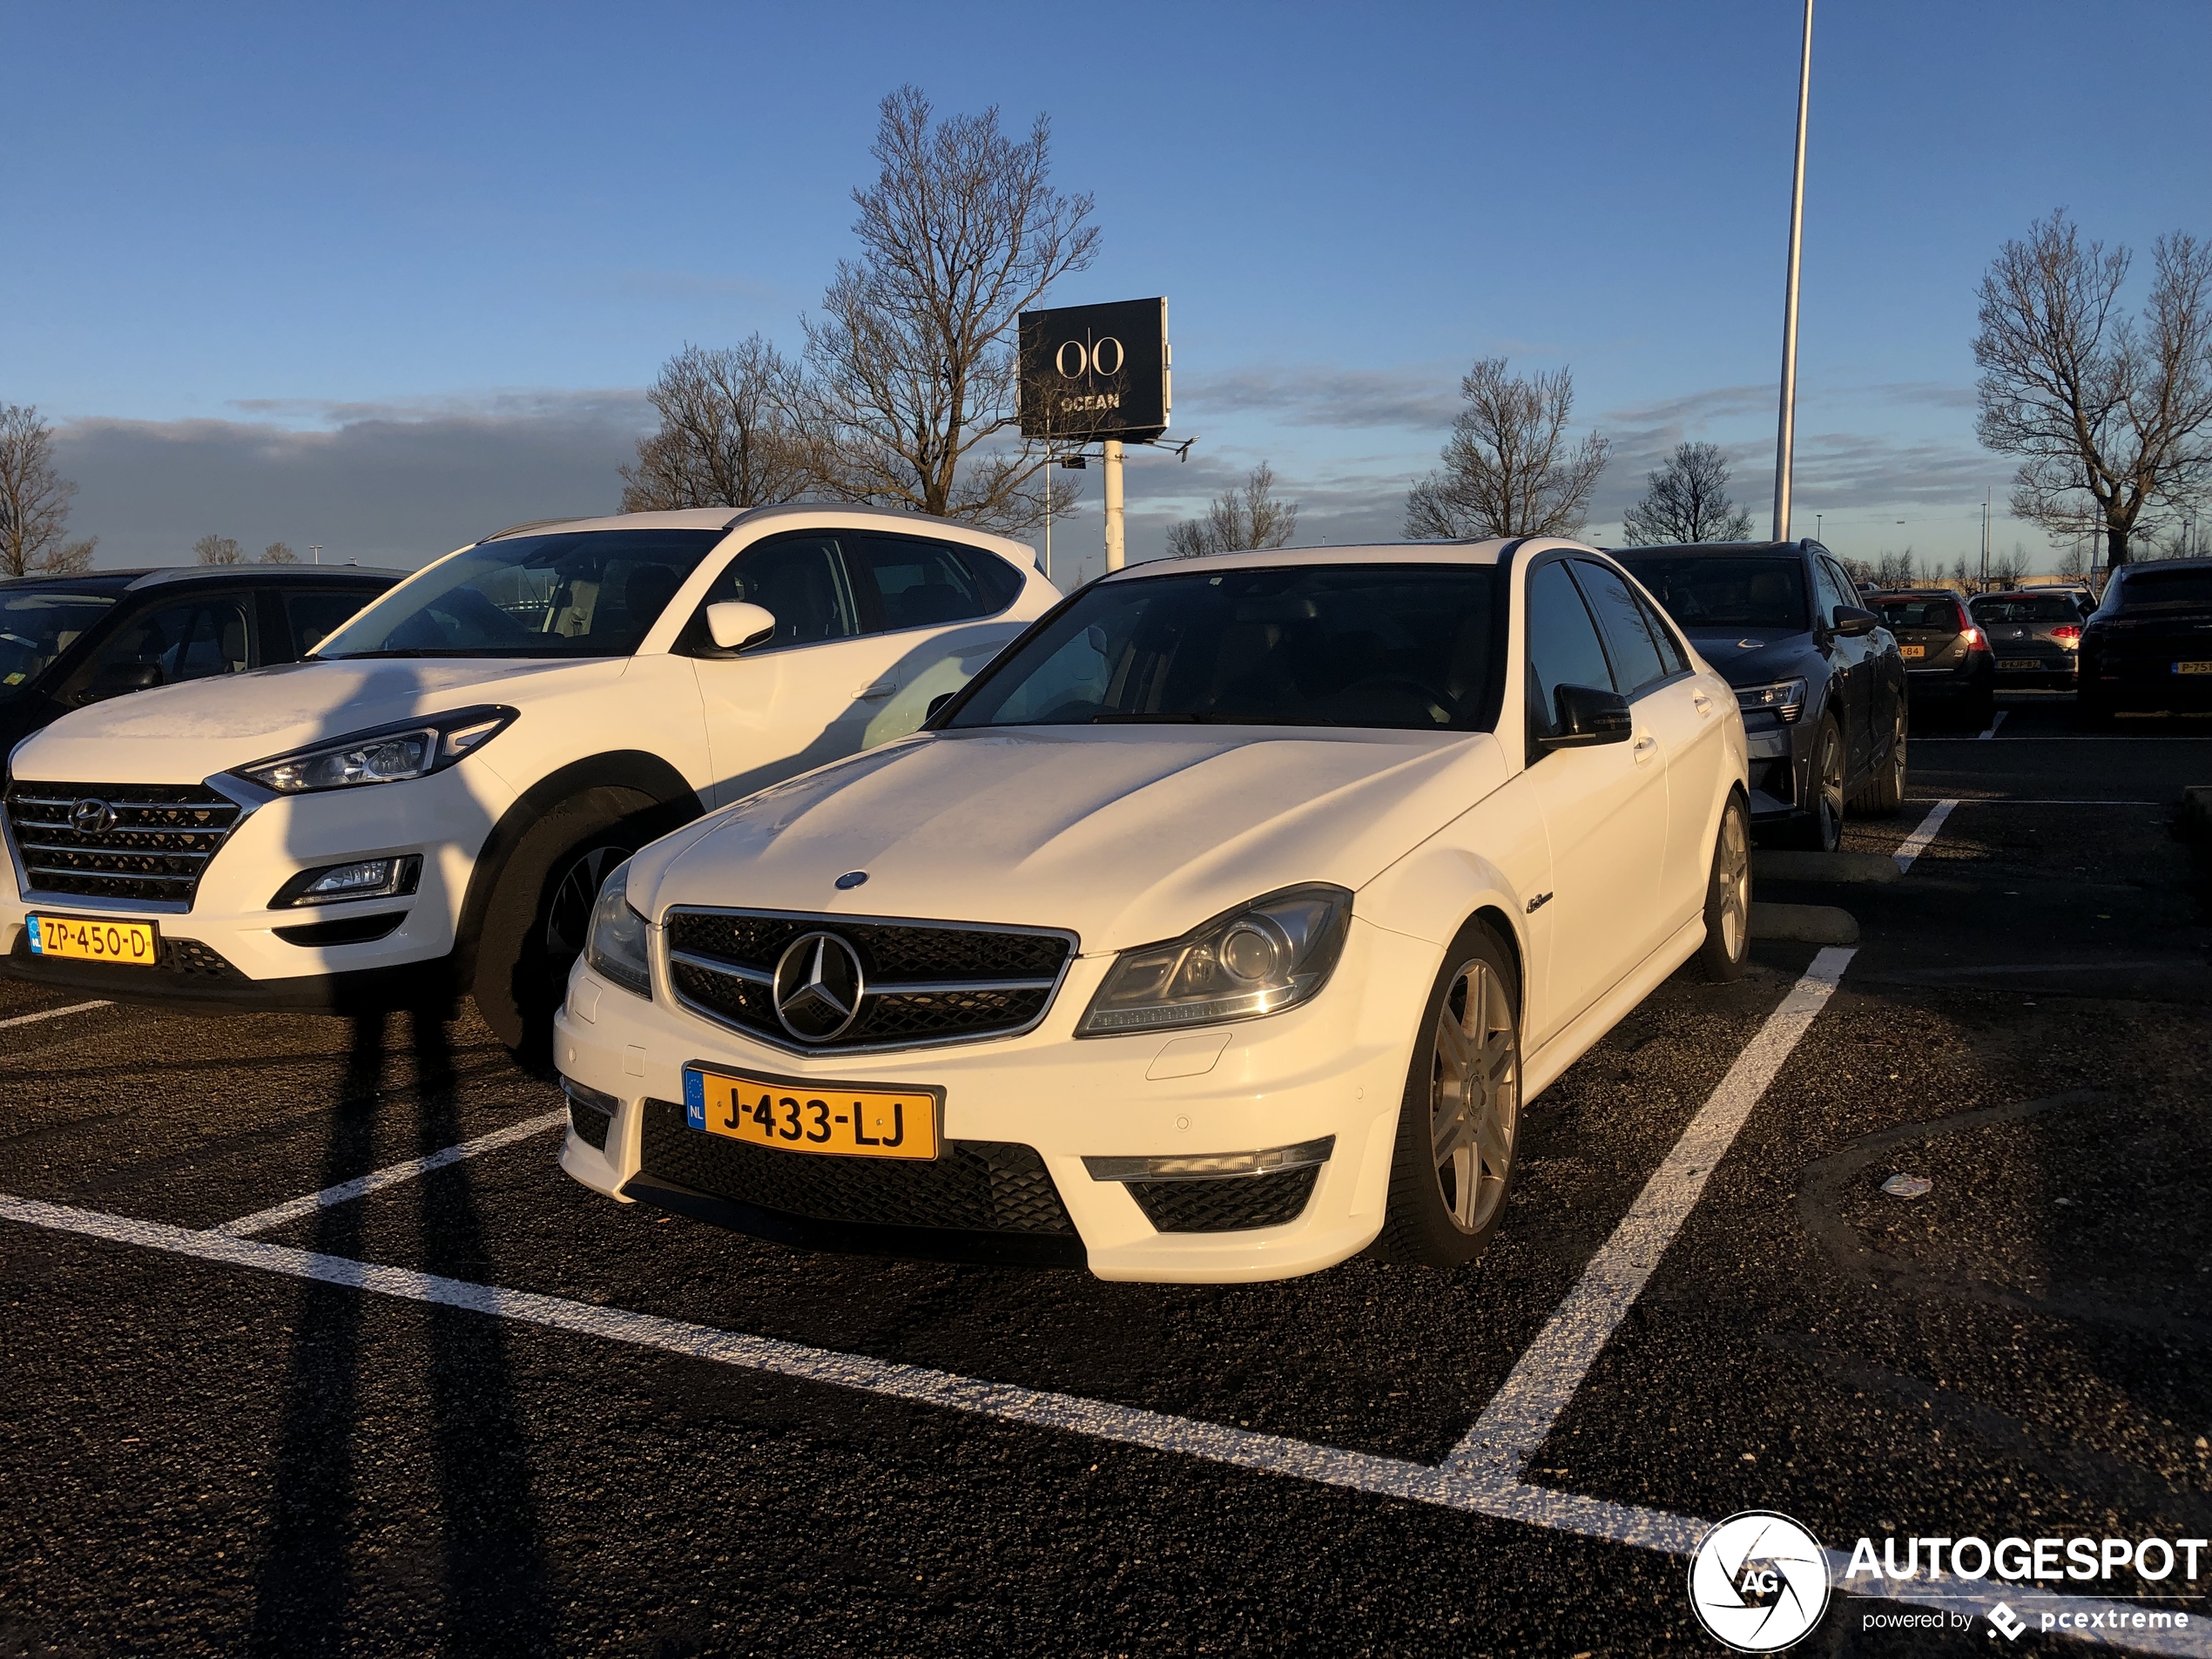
345,1191
1995,720
2025,800
53,1013
1917,843
1480,1491
1551,1367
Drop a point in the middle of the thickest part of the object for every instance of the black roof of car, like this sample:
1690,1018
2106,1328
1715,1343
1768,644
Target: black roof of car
2138,567
1718,550
163,574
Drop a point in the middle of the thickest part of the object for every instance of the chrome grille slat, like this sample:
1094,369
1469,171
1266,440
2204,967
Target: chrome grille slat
155,850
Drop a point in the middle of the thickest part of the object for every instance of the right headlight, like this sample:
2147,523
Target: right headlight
619,948
1785,699
1260,958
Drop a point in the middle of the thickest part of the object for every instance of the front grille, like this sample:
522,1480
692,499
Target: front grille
925,982
1233,1203
155,847
973,1186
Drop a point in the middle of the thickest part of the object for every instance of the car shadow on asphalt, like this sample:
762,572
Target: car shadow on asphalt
491,1544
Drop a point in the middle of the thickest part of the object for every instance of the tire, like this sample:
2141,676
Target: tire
1444,1214
1883,794
1821,830
533,928
1728,898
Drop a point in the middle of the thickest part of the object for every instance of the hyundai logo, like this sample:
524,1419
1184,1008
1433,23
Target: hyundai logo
91,817
819,987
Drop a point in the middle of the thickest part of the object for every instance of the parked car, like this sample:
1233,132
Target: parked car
2034,638
1821,680
1949,669
427,804
67,640
1217,930
2148,645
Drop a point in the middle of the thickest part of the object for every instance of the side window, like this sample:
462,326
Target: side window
1636,662
916,584
1844,586
1826,594
801,579
1670,650
315,616
1564,647
168,644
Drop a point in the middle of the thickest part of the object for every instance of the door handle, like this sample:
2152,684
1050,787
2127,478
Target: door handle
1643,749
881,688
1702,704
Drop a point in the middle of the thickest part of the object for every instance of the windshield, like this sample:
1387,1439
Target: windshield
1940,613
2025,607
589,593
1713,594
36,625
1408,647
2148,589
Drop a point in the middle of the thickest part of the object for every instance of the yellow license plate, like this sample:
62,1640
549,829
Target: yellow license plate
1913,650
2193,668
798,1115
90,940
2021,662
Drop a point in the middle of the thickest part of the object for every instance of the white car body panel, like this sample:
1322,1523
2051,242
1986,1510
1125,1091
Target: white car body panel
1130,834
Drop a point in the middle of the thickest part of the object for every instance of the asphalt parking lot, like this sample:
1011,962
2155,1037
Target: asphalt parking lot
653,1437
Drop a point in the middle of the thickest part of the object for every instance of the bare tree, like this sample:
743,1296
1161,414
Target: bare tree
1509,470
726,437
2072,566
2112,414
912,367
278,553
217,550
1895,570
1238,519
34,500
1687,500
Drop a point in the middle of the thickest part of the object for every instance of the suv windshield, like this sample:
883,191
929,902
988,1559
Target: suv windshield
588,593
1709,594
37,624
2144,589
2025,607
1408,647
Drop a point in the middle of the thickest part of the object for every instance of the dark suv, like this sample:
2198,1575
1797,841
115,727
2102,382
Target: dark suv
1818,677
69,640
2148,645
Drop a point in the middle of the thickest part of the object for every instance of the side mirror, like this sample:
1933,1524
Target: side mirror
1588,715
734,625
1851,622
939,702
117,679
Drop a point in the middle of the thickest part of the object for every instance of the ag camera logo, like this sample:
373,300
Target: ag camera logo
1758,1582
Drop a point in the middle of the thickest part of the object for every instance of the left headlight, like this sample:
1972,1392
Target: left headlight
1260,958
619,946
387,755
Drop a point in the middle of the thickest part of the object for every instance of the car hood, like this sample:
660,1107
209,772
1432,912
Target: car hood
1745,657
179,734
1123,835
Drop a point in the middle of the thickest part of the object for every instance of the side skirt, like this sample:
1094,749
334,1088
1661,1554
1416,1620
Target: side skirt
1542,1069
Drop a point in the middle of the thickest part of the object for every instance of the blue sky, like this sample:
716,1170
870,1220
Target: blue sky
384,277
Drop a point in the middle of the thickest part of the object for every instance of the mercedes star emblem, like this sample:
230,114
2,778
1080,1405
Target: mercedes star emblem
819,987
91,817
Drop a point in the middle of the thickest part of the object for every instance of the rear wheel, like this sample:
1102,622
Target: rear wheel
1458,1126
1821,830
1728,898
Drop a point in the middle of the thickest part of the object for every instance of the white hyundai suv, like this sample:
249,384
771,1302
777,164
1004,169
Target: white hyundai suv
427,804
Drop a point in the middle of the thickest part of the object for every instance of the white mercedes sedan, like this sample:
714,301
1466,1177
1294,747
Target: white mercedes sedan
1222,928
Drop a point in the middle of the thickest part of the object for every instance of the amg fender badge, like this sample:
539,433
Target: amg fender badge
1538,902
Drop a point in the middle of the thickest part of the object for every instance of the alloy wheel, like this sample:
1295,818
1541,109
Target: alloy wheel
1732,868
1474,1097
1828,799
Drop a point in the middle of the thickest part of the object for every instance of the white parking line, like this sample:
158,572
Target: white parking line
1995,720
53,1014
2026,800
345,1191
1551,1369
1917,843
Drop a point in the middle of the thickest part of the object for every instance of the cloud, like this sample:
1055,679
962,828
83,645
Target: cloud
1310,395
378,483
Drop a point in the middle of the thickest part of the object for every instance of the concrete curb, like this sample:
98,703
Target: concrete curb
1810,924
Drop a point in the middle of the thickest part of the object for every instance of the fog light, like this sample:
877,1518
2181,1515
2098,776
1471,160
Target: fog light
1212,1166
362,879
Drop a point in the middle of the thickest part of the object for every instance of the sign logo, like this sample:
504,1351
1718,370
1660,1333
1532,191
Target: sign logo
819,987
1094,371
2009,1624
1758,1582
91,817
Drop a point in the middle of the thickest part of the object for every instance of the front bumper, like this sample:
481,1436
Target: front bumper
1334,1069
225,949
1777,755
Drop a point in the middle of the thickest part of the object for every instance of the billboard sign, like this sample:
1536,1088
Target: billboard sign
1095,372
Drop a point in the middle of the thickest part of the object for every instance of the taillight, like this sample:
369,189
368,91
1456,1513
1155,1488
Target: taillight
2067,632
1972,636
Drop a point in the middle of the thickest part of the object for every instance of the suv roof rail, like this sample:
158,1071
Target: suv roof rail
534,525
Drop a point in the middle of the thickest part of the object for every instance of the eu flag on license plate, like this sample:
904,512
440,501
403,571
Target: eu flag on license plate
694,1099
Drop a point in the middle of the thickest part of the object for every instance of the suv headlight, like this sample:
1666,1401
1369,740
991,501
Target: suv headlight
1260,958
1785,699
387,754
619,947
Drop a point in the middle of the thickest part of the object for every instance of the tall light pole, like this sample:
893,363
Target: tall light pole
1988,492
1786,430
